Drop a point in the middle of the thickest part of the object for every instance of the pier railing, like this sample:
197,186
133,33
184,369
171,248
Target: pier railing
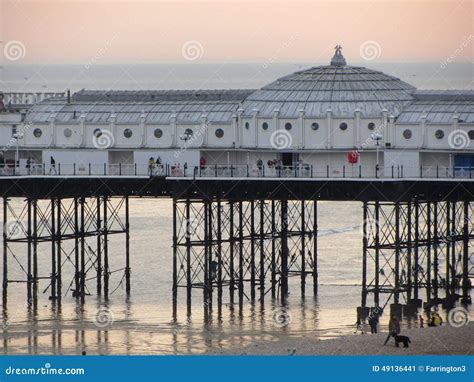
238,171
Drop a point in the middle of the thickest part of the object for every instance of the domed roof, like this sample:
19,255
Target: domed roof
337,87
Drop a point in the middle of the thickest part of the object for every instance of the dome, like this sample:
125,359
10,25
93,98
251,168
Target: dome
337,87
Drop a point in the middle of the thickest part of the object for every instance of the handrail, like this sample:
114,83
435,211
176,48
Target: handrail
238,171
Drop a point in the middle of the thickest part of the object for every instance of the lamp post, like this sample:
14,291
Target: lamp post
17,136
377,137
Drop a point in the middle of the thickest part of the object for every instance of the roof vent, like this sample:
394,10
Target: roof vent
338,59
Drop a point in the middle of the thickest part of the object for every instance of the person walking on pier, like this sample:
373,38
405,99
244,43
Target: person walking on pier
374,321
52,166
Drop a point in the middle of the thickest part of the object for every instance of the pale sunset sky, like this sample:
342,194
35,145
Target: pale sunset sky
107,31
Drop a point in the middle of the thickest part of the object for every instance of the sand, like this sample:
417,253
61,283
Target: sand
445,340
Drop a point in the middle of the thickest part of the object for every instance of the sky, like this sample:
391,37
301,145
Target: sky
106,31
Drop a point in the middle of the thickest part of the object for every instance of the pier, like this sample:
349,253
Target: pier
242,238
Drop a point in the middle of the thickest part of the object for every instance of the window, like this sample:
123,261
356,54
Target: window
471,134
97,133
67,132
439,134
13,130
247,125
188,132
158,133
407,134
265,126
371,126
288,126
37,132
315,126
343,126
127,133
219,133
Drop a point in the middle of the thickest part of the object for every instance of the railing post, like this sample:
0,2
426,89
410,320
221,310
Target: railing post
120,168
74,169
231,171
215,171
311,171
44,169
402,171
392,171
437,171
105,169
327,171
14,169
263,171
376,171
247,171
59,168
89,169
360,171
344,171
421,172
135,168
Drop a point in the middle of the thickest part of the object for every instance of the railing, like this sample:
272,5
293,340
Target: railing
238,171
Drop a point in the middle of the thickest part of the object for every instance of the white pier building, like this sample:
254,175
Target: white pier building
335,120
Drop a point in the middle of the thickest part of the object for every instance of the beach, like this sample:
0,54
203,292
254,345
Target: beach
441,340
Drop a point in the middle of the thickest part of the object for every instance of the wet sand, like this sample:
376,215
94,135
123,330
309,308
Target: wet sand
444,340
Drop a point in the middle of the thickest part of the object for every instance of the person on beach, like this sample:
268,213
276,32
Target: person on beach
393,328
373,322
421,321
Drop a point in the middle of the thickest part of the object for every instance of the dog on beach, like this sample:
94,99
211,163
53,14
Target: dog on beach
404,339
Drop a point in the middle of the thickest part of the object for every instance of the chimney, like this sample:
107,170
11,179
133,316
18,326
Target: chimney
68,96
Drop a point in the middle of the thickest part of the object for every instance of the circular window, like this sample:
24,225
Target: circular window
315,126
439,134
97,133
265,126
37,132
158,133
188,132
67,132
407,134
219,133
343,126
471,134
247,125
127,133
288,126
371,126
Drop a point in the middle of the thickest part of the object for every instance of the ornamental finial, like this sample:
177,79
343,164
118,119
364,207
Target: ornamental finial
338,59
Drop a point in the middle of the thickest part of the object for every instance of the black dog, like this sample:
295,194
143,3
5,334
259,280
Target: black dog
404,339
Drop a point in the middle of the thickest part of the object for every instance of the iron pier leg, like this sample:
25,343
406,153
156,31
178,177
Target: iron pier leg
188,257
5,254
449,237
35,252
435,250
465,255
315,247
262,251
76,248
364,254
416,268
241,256
99,247
127,246
53,250
397,253
231,252
284,250
410,247
219,257
252,250
377,253
29,271
175,260
303,249
453,249
106,248
273,265
83,249
428,255
59,251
